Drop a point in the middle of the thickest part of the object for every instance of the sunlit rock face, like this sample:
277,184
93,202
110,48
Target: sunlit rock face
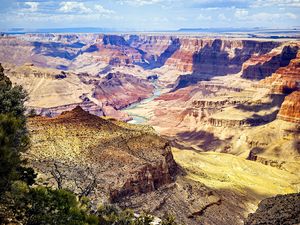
120,90
263,66
125,160
285,79
289,110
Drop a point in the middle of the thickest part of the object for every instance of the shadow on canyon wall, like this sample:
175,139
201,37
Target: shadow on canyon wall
60,50
257,120
261,71
212,60
154,62
202,139
115,40
276,102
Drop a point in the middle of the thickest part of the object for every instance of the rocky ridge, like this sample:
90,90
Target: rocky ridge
289,110
281,209
140,160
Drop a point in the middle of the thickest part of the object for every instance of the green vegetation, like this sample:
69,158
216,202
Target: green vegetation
20,203
111,214
13,133
41,205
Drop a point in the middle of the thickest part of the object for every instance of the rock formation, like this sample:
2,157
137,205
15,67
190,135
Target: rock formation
125,161
260,67
290,109
286,79
205,56
120,90
281,209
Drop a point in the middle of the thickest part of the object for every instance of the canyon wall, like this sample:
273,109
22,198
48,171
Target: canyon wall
120,90
203,56
260,67
285,79
53,91
290,109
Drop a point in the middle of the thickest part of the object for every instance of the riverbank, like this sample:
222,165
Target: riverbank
137,110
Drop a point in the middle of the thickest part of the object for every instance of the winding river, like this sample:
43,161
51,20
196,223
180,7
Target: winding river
137,118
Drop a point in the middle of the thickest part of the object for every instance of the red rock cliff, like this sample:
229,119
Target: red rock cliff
290,108
285,79
260,67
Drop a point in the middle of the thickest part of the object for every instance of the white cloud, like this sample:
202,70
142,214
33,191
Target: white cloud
31,6
244,15
101,10
137,3
81,8
78,7
291,15
241,13
265,16
181,18
203,17
276,3
140,2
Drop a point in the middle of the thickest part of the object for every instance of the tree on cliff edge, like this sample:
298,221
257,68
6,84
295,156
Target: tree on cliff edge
13,133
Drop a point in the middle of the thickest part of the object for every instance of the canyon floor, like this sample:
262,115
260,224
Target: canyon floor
203,128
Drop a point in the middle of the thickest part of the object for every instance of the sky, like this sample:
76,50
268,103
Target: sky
149,15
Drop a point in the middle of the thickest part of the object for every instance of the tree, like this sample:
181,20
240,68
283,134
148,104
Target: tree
13,133
41,205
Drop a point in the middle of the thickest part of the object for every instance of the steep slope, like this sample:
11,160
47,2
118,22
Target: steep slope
120,90
125,161
48,87
290,109
260,67
286,79
233,178
282,209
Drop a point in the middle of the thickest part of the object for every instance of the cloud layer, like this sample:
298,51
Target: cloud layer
150,14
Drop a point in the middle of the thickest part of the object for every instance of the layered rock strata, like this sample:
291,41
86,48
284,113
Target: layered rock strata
260,67
290,109
286,79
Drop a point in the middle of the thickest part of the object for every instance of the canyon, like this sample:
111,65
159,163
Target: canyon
218,118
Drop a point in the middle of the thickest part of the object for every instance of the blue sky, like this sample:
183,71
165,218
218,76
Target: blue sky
149,14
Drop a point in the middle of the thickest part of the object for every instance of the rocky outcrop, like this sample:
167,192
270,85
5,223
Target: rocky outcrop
120,90
219,122
260,67
155,50
286,79
86,105
215,104
282,209
290,109
148,179
125,160
53,91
